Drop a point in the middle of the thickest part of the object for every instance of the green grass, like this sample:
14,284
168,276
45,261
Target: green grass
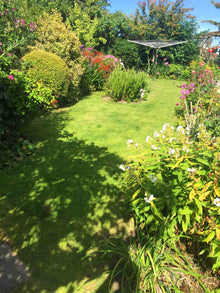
57,203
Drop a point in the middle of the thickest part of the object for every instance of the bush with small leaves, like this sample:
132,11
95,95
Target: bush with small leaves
51,70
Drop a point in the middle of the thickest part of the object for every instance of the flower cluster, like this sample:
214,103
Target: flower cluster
103,63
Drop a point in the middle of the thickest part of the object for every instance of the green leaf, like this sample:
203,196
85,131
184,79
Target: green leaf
200,160
185,211
184,226
210,237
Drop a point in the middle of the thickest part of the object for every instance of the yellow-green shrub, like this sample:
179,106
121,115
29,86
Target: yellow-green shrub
55,37
51,70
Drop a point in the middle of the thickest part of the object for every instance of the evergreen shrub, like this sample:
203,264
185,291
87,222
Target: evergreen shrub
51,70
55,37
127,85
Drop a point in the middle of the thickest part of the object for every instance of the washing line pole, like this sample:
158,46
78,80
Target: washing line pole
157,44
157,49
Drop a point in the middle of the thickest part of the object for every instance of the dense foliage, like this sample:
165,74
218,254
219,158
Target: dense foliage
49,69
127,85
172,183
55,37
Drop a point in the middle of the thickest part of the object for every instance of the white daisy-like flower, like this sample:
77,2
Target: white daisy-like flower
148,199
156,134
216,202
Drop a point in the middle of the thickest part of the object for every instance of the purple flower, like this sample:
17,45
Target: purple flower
82,46
13,9
177,104
183,86
91,48
185,92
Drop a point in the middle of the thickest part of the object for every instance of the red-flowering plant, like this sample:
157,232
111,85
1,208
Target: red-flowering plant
97,69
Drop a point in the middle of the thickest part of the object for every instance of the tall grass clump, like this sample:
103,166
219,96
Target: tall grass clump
127,85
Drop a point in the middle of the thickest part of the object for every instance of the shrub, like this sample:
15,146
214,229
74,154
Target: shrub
174,187
127,85
199,100
51,70
97,69
15,32
55,37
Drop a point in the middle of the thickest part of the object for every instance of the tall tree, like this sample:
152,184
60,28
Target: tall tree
156,19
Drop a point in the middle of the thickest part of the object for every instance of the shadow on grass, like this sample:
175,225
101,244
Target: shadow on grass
56,204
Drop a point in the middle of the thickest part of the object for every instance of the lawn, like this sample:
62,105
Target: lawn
57,203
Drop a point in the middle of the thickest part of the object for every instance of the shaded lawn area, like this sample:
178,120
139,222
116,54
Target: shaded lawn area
57,203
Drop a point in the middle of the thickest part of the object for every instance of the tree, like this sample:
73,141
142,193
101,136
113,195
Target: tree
158,19
217,5
85,27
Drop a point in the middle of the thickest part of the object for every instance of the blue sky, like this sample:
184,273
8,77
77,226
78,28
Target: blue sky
203,10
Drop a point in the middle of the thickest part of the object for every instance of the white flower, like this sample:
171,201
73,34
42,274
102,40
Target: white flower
171,151
185,149
172,127
191,170
130,141
137,144
156,134
155,148
165,126
122,167
179,128
187,130
216,202
153,178
148,138
142,92
163,136
198,133
148,199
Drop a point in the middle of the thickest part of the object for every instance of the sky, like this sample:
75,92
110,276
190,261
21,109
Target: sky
203,10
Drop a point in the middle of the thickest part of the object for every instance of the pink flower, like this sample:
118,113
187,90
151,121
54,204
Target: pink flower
177,104
158,73
10,77
13,9
166,63
183,86
164,59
